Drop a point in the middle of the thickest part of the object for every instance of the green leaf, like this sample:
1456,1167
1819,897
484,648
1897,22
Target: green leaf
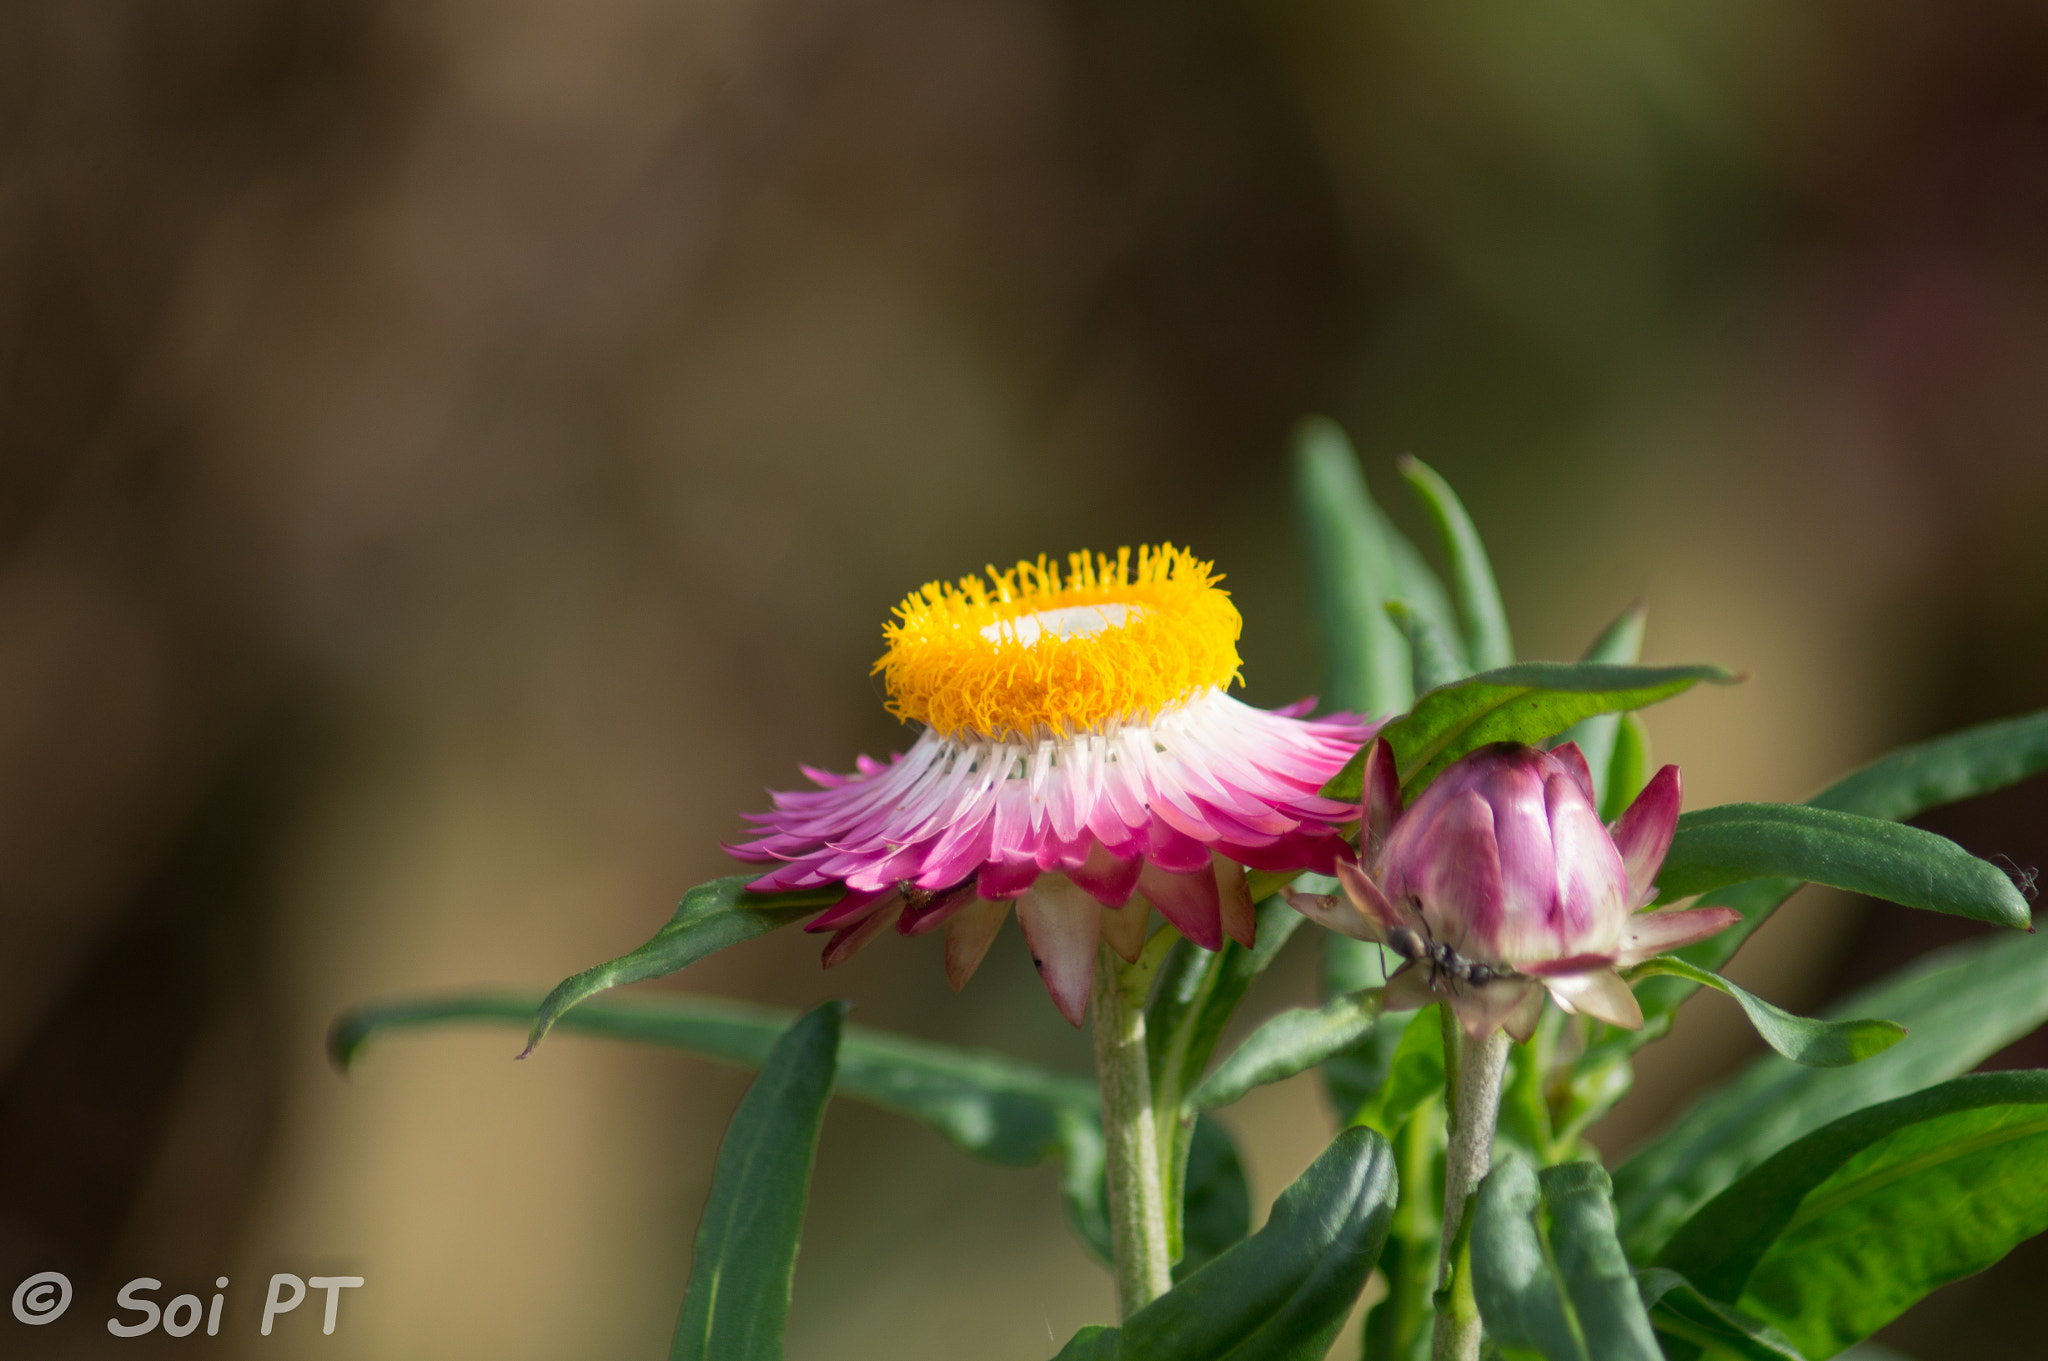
1414,1073
1093,1343
1216,1198
1193,997
1680,1311
992,1106
1292,1042
1525,703
1628,770
711,917
1354,572
1418,586
1814,1044
1283,1293
1901,785
745,1258
1547,1270
1716,847
1836,1235
1432,657
1621,642
1486,622
1960,1006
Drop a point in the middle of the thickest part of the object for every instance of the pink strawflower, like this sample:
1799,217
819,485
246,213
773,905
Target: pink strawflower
1080,760
1500,884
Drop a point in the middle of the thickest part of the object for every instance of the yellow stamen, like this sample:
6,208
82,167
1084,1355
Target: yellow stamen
1034,654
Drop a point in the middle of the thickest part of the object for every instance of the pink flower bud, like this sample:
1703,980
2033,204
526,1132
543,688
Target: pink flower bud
1501,884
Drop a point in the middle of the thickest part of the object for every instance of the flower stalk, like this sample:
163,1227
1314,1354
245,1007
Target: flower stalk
1130,1135
1473,1070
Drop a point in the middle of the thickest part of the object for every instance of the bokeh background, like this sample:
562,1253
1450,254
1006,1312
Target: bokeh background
454,456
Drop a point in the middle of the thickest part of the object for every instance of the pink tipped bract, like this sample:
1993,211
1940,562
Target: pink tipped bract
1500,884
1085,833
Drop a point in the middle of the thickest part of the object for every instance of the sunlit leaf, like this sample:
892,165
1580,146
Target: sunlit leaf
1732,843
1811,1043
1959,1007
1837,1234
711,917
1525,703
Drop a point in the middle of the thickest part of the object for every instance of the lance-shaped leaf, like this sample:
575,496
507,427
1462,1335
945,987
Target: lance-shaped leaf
1620,643
1430,652
711,917
1283,1293
1715,847
1216,1199
1811,1043
1628,769
1292,1042
1901,785
1192,999
1836,1235
992,1106
745,1259
1486,621
1684,1314
1547,1270
1354,572
1960,1006
1525,703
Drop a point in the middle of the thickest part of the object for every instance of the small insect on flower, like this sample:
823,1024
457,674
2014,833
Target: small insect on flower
1500,885
1079,760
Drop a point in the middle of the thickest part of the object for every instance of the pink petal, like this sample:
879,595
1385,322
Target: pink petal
1654,933
1234,900
1005,880
1109,877
1457,878
1124,928
1382,798
1575,766
852,908
1332,911
1571,964
848,941
1061,924
924,912
1189,901
1380,915
969,933
1172,849
1589,885
1600,994
1643,833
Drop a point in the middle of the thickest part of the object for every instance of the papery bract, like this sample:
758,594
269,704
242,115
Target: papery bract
1500,884
1081,760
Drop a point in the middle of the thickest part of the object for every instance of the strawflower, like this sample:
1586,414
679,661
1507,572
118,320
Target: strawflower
1501,885
1079,759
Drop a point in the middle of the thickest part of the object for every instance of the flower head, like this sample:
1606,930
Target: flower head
1080,759
1500,884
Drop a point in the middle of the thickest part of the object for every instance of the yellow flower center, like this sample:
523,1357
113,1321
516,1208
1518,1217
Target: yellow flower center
1034,654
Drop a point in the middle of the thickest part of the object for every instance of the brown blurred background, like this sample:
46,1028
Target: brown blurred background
454,456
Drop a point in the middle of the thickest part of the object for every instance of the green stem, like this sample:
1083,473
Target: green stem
1474,1113
1137,1202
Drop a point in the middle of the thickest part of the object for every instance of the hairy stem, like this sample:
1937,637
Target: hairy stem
1137,1202
1475,1110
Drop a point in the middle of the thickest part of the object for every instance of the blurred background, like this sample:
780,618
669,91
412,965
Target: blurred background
455,456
